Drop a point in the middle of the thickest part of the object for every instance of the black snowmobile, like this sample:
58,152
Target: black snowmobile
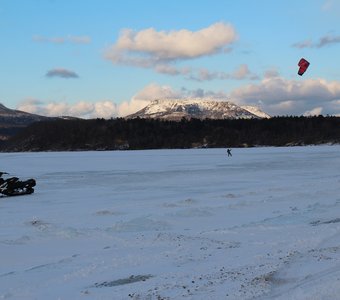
14,187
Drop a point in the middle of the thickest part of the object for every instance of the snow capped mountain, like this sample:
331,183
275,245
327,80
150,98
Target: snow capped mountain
256,111
207,108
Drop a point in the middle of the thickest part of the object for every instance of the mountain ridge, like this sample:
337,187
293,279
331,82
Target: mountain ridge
175,109
6,112
11,121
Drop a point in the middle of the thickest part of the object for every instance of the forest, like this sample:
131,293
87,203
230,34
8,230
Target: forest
134,134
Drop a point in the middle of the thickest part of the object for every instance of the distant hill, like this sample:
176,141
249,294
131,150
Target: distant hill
197,108
11,121
17,116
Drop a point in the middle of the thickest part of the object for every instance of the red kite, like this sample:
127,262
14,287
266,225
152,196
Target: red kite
303,64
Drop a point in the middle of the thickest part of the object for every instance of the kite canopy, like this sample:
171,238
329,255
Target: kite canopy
303,64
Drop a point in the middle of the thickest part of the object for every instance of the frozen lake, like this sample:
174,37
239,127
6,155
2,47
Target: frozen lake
173,224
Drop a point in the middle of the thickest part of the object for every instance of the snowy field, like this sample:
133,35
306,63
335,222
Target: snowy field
173,224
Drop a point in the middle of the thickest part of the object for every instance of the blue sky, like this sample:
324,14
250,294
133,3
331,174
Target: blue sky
107,58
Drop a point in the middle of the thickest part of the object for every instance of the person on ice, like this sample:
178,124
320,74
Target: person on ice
229,152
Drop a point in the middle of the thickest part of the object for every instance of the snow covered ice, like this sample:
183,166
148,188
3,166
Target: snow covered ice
173,224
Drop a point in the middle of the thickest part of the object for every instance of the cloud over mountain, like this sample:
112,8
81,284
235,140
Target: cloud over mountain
82,109
283,96
275,95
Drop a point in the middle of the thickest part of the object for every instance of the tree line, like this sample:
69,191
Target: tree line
120,133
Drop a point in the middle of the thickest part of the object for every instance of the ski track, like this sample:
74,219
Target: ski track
173,224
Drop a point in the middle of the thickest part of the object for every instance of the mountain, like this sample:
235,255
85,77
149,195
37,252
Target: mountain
11,121
256,111
208,108
17,116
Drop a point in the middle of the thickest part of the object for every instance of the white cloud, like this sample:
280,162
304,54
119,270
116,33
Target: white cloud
161,50
171,70
129,107
105,109
30,105
314,112
241,73
281,96
82,109
271,73
154,91
205,74
172,45
57,109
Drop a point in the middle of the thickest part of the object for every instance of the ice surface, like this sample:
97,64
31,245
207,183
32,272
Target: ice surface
173,224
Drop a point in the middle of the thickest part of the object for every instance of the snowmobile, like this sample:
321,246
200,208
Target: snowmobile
14,187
